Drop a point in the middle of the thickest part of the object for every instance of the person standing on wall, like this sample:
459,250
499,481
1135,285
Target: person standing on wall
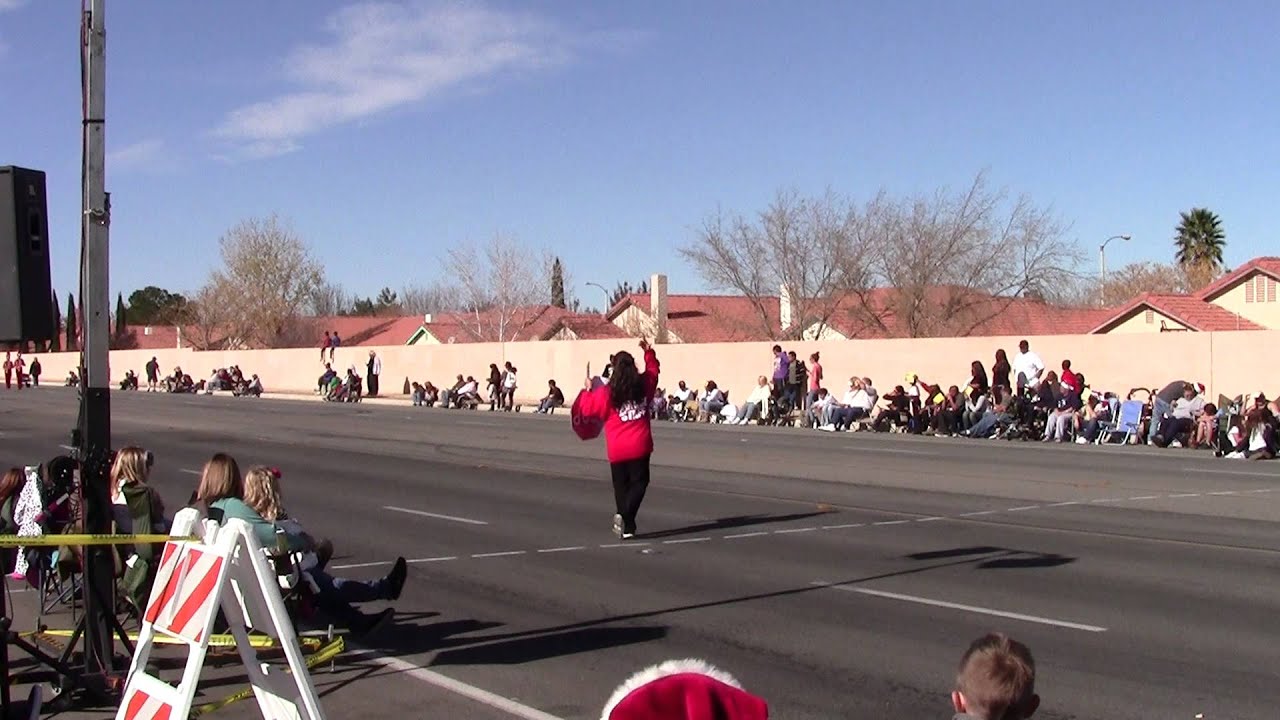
326,345
374,369
623,406
334,344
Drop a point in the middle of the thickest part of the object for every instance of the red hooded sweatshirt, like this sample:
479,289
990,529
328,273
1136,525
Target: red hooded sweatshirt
627,435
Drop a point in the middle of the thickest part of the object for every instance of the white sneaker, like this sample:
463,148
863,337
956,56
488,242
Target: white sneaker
617,525
828,428
1081,441
1235,456
1175,444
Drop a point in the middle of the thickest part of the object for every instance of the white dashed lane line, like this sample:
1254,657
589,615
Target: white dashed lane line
633,544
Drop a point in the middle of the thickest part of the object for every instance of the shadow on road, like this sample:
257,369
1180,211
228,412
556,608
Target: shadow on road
583,636
1006,558
550,645
730,523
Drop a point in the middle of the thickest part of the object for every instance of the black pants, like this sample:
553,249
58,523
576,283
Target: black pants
630,480
373,385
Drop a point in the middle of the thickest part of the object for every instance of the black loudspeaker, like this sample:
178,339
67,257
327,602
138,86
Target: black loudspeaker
26,291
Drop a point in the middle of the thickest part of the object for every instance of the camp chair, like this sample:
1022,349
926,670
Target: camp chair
1126,422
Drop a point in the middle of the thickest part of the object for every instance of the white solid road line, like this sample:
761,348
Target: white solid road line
966,608
358,565
437,516
471,692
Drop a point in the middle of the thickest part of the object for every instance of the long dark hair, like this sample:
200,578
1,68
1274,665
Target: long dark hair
625,382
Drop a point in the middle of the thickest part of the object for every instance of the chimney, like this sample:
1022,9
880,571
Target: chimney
784,308
658,307
426,319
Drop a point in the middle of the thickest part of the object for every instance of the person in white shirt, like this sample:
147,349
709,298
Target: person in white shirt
857,404
755,404
509,385
680,402
1028,368
818,412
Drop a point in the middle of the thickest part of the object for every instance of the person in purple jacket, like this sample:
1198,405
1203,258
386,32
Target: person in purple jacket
781,364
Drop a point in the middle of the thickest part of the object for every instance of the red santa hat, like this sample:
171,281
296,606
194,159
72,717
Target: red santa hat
683,690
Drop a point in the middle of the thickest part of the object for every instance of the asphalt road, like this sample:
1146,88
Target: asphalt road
835,575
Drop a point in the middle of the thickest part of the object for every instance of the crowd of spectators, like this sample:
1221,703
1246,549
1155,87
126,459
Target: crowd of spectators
231,379
1019,399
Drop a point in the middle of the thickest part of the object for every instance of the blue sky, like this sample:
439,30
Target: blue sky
605,131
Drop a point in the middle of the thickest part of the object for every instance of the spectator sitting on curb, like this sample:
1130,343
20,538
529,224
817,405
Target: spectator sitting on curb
323,383
449,395
554,398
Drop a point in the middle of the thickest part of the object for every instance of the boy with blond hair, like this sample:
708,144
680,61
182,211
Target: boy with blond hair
997,681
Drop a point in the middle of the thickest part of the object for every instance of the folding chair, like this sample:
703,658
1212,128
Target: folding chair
1126,422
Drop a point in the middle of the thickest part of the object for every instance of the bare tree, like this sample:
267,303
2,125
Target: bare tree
269,278
329,299
207,313
1128,282
811,249
502,287
437,297
946,263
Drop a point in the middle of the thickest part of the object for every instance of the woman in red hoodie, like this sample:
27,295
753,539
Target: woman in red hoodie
623,404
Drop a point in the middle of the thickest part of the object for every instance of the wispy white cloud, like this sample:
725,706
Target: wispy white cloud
6,5
152,155
382,56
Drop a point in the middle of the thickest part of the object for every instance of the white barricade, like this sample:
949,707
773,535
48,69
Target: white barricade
226,570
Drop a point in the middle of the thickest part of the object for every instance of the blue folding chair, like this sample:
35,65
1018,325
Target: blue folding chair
1126,421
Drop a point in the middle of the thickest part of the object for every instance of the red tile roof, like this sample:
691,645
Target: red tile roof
875,316
712,318
1266,264
532,322
585,327
365,331
1189,310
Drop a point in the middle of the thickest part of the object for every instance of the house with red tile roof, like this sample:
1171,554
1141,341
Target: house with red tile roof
516,324
700,318
583,327
945,311
1243,299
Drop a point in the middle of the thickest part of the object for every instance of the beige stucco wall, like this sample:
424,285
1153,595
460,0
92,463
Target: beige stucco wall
1137,323
1229,363
1266,314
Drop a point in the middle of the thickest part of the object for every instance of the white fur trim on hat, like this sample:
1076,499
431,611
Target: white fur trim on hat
667,669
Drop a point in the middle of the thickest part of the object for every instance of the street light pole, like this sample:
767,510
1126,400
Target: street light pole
604,290
1102,255
94,432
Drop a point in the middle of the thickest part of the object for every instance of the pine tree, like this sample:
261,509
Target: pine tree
557,284
120,319
73,343
55,345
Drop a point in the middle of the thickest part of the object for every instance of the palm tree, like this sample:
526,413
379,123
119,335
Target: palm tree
1200,240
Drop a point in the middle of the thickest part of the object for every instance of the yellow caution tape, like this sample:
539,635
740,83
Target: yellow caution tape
321,656
77,540
261,642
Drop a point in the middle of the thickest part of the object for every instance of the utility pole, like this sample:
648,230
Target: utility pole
94,431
